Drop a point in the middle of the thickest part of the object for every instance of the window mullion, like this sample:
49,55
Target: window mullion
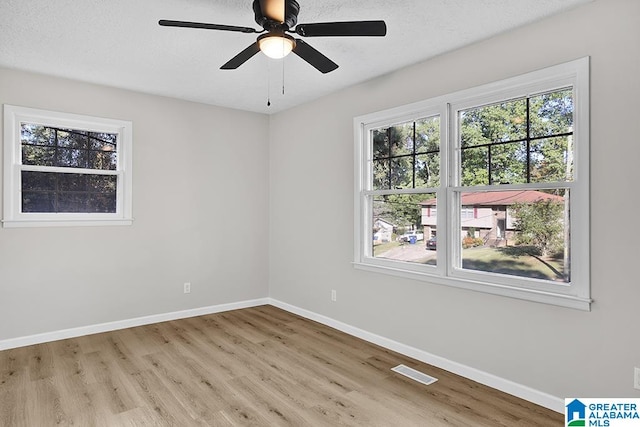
413,152
489,164
59,169
390,177
528,119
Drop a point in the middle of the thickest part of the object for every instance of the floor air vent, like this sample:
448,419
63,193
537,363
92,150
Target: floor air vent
414,375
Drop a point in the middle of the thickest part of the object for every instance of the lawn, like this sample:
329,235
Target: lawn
513,261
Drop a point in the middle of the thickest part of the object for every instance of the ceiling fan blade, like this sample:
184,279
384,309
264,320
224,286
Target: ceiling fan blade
185,24
241,58
313,57
273,9
347,28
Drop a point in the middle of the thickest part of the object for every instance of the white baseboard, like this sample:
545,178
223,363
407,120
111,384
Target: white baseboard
535,396
123,324
515,389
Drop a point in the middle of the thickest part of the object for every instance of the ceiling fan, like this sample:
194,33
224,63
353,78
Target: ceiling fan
279,17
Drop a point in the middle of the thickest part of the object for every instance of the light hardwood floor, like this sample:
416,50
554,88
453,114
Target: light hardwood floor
260,366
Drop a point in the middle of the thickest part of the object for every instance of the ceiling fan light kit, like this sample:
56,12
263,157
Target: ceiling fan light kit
276,46
279,17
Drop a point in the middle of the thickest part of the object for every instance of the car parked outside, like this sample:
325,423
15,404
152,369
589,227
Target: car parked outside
431,244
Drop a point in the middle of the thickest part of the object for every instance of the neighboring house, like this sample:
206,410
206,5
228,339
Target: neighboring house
486,215
383,231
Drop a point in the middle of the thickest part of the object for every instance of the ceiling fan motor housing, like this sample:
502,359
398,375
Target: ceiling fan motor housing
291,10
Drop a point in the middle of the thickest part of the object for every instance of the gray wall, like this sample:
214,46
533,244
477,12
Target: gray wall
200,215
559,351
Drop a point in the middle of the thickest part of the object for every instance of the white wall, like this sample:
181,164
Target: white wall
559,351
200,207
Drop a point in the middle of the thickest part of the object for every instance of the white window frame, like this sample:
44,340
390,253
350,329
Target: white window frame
576,293
12,206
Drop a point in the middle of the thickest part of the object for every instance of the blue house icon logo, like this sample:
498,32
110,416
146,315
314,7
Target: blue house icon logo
576,413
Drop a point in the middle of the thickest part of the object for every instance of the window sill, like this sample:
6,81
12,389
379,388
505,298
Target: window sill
65,223
561,300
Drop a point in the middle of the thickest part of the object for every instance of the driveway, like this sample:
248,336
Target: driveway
410,253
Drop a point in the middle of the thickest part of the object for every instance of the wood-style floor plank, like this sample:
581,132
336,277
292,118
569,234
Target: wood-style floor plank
259,366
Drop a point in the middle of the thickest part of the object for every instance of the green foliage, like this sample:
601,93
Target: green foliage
494,141
540,224
407,155
403,210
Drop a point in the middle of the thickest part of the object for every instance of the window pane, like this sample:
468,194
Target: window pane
72,139
552,159
73,158
428,170
475,166
518,232
401,139
552,113
398,230
401,172
103,203
101,183
71,182
71,202
49,146
37,201
67,192
104,160
508,163
381,175
36,135
380,143
36,181
102,141
428,134
38,155
428,216
506,121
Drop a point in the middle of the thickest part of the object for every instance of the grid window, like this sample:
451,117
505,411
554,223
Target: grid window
405,161
506,164
518,141
407,155
64,169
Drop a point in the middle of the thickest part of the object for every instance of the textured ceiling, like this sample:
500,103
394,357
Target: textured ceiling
119,43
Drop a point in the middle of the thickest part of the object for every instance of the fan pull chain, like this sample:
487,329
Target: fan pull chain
268,83
283,76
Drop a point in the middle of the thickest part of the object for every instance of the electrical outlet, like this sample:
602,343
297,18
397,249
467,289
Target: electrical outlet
636,378
187,288
333,295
